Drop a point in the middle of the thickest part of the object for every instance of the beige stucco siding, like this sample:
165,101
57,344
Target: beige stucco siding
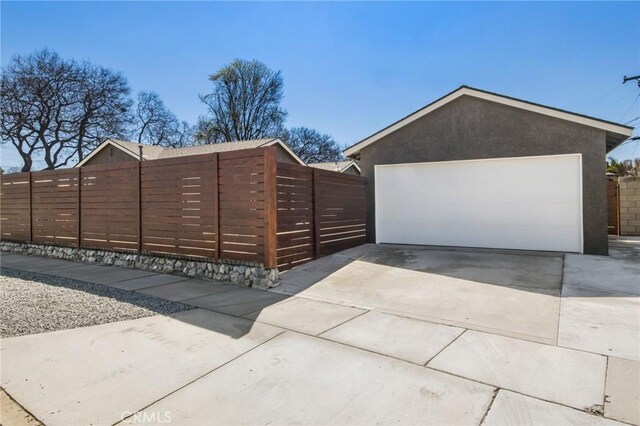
108,155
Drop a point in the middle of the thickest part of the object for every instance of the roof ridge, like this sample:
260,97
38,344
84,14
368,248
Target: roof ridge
441,101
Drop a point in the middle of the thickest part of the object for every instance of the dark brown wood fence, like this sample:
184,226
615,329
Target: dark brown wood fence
109,206
319,213
15,217
295,231
240,205
178,211
55,206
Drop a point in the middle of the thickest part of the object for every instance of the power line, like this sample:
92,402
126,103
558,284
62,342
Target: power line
630,106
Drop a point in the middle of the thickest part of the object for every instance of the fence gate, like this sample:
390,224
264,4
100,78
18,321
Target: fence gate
613,207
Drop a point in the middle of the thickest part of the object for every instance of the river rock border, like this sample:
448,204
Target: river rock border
241,273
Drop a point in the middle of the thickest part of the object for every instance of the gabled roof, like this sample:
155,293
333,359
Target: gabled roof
214,147
616,133
336,166
150,152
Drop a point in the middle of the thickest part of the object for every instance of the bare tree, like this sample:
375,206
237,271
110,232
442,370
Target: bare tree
58,110
244,104
312,146
156,125
183,134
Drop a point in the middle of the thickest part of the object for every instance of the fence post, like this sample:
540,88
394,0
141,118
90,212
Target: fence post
216,207
78,210
270,208
30,211
316,214
139,207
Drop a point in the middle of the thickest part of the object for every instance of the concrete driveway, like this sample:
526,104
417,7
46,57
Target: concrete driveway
375,334
509,294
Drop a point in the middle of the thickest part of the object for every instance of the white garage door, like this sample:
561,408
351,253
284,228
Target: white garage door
531,203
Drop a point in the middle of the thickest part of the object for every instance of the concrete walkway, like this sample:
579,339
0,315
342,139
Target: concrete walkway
371,335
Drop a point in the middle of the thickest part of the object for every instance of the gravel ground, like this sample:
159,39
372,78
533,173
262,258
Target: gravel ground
35,303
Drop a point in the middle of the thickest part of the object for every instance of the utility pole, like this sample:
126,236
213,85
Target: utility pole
637,78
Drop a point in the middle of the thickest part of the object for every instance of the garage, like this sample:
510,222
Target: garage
480,169
529,203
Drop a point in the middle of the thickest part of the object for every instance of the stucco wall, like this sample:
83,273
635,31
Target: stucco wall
471,128
629,205
352,171
284,156
105,157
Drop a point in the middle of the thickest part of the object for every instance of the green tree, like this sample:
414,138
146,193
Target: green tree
244,104
623,168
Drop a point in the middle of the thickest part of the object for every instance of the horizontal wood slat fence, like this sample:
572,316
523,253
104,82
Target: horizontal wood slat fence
240,205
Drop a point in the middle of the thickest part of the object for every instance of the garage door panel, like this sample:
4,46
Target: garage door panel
481,214
525,203
503,191
549,239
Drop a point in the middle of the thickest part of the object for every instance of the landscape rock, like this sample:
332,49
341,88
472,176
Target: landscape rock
247,273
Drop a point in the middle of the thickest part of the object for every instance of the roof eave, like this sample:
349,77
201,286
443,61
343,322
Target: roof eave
618,130
286,148
351,164
103,145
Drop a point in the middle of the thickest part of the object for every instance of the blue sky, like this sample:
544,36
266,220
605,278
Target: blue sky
351,69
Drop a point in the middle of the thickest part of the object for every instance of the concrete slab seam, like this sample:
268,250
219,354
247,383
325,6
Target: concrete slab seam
604,397
441,350
26,410
135,278
343,322
430,320
518,392
154,285
186,301
486,413
282,302
198,378
320,299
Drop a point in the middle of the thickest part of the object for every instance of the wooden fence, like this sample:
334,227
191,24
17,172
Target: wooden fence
240,205
319,213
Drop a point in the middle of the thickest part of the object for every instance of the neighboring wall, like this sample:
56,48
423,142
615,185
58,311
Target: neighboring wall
471,128
109,155
283,156
351,171
630,205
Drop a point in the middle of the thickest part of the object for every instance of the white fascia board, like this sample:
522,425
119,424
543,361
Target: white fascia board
352,164
286,148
